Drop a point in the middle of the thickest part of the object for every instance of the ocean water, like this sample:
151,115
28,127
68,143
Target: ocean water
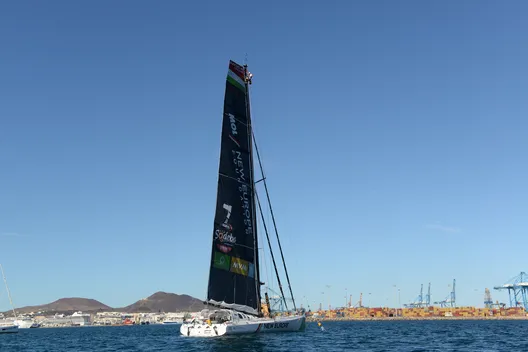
465,335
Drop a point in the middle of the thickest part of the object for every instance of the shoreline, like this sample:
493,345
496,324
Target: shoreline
311,319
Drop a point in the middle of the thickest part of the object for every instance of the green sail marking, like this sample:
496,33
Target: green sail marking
237,82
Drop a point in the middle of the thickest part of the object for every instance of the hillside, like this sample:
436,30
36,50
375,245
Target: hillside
158,302
165,302
67,305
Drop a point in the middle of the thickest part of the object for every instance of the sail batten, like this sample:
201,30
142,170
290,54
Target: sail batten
233,275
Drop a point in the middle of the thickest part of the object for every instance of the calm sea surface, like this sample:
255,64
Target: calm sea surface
339,336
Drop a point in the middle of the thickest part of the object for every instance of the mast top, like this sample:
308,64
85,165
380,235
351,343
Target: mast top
248,76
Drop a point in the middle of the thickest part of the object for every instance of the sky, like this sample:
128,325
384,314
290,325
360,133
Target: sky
393,135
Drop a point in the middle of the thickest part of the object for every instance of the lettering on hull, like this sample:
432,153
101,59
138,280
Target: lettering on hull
275,325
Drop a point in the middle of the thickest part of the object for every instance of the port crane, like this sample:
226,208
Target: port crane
517,290
488,302
449,301
419,301
359,304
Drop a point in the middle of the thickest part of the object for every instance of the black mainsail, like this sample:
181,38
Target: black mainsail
234,275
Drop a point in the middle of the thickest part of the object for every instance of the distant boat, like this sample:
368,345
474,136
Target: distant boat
128,322
8,327
26,323
76,319
234,288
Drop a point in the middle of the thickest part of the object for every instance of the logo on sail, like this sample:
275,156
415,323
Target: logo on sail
224,248
234,132
224,234
233,264
242,267
226,223
239,266
222,261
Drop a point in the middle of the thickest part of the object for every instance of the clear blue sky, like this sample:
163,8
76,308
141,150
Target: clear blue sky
393,135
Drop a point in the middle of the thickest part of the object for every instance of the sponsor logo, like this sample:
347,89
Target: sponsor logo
233,264
224,248
234,131
226,223
244,192
239,266
241,175
221,261
232,121
224,236
276,325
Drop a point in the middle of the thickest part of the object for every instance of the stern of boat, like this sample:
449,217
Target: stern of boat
203,329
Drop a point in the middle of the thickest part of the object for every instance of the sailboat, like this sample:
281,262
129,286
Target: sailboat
5,326
234,302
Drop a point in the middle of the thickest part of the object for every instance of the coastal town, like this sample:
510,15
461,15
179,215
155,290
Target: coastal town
79,319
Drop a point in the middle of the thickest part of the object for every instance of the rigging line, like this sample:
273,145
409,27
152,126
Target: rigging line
273,218
271,282
235,179
271,251
264,259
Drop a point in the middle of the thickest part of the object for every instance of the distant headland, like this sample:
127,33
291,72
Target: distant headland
157,302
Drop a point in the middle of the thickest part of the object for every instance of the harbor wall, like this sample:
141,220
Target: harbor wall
427,312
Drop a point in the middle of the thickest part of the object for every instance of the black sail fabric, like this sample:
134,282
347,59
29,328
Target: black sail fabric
233,275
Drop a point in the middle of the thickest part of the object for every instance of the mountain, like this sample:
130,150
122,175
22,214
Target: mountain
67,305
165,302
159,301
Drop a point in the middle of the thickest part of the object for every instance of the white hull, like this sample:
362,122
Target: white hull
8,329
253,326
25,324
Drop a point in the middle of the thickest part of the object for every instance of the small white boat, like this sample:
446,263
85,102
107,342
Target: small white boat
8,329
25,323
171,322
229,322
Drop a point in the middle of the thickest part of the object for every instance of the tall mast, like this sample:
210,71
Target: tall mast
234,277
8,292
247,82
